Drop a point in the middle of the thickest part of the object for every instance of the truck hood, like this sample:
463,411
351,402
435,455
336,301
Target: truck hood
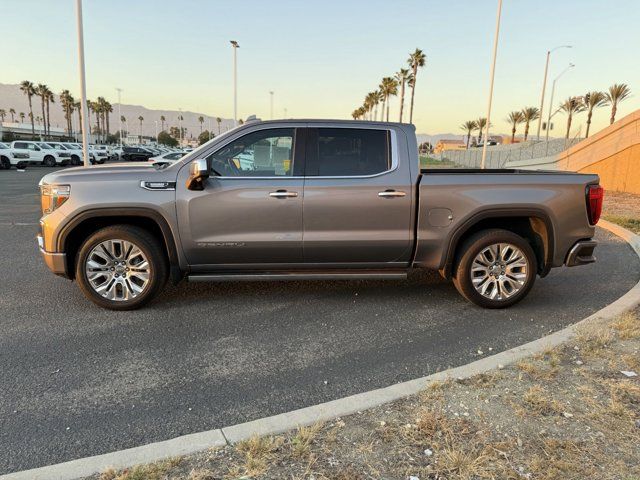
108,173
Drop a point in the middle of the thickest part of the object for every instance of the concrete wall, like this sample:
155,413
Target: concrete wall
613,153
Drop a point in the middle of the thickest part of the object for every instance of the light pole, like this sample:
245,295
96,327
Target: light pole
83,86
235,81
119,90
493,73
544,83
271,95
553,89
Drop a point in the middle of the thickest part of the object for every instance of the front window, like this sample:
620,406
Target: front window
265,153
45,146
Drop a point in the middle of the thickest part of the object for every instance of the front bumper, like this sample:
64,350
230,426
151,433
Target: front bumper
581,253
56,262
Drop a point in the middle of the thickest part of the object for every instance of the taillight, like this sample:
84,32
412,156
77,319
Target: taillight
595,197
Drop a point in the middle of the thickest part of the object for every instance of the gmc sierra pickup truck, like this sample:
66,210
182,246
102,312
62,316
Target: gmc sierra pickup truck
312,199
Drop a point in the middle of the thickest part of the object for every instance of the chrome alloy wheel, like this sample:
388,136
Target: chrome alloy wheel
117,270
499,271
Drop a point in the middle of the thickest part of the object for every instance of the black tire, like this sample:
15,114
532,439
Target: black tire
5,163
473,246
150,247
75,160
49,161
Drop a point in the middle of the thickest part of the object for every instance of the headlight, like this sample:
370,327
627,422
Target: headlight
53,196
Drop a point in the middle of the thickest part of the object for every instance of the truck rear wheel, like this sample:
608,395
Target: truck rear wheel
495,268
121,267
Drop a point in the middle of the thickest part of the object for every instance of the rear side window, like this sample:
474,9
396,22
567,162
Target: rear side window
20,145
347,152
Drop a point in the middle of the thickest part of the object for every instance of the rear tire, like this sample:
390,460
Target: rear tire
121,267
5,163
495,268
75,160
49,161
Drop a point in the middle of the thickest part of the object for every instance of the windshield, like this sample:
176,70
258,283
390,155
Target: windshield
56,146
2,145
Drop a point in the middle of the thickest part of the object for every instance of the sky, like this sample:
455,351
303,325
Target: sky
321,57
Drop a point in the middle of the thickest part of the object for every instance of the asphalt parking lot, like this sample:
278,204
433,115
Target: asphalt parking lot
78,381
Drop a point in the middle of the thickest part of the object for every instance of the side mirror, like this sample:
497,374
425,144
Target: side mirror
198,174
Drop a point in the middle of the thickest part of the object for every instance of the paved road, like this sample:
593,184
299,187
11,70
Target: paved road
77,381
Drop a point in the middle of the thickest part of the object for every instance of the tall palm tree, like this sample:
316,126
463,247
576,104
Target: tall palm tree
12,112
481,123
219,121
3,113
162,120
29,90
571,106
388,87
49,99
469,126
529,114
514,118
592,100
140,119
41,91
123,120
402,76
78,106
65,101
21,115
617,93
107,109
416,60
201,120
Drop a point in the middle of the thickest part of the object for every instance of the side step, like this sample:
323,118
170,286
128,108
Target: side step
302,275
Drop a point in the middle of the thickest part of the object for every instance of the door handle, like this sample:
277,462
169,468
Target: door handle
283,194
391,194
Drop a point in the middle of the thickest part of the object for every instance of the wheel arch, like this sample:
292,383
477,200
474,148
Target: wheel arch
73,233
534,225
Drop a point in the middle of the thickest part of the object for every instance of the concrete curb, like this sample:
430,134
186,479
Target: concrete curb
195,442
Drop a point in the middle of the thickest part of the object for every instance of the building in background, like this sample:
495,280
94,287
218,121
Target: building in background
446,145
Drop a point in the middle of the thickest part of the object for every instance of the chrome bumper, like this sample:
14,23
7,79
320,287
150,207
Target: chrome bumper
56,262
581,253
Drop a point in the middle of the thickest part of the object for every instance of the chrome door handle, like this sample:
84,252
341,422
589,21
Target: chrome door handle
391,194
283,194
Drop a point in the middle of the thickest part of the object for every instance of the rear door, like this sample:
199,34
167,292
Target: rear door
250,212
357,199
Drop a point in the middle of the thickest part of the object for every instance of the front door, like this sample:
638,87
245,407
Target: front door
250,211
357,199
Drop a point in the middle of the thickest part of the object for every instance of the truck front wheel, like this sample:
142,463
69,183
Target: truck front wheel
495,268
121,267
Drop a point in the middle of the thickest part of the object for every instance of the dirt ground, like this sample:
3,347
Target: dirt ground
622,208
570,413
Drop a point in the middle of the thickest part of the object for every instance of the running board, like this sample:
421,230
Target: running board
292,275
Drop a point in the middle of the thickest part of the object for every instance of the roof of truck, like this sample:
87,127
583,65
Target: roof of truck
328,120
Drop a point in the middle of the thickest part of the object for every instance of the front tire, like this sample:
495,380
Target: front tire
75,160
121,267
495,268
49,161
5,163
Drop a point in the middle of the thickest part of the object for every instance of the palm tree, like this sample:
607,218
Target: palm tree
469,126
162,120
66,100
29,90
12,112
529,114
355,114
416,60
617,93
78,106
402,76
21,115
41,91
388,87
140,119
201,120
219,121
49,99
514,118
3,113
481,123
123,119
571,106
593,100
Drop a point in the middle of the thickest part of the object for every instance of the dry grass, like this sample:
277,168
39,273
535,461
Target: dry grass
577,418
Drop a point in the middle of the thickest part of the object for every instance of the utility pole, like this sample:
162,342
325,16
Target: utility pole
544,84
235,81
492,76
83,86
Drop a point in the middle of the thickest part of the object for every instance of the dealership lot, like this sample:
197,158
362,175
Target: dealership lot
79,381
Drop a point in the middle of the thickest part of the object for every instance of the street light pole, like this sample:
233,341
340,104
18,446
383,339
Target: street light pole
235,81
83,86
271,94
120,113
493,73
553,89
544,84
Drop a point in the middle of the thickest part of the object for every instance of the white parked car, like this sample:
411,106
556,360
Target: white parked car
9,157
40,153
168,157
77,155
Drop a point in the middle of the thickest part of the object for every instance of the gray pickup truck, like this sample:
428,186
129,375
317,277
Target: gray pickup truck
309,200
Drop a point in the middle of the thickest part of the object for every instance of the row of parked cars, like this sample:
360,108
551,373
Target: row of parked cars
21,153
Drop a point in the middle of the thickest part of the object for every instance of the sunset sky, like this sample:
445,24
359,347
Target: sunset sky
322,57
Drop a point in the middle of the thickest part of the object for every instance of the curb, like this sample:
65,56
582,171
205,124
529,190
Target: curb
276,424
